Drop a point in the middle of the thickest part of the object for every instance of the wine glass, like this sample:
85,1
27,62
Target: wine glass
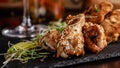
25,29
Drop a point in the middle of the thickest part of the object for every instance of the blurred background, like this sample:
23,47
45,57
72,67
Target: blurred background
41,11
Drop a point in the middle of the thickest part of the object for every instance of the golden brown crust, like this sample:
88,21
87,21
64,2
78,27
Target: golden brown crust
111,26
95,40
72,41
96,13
50,40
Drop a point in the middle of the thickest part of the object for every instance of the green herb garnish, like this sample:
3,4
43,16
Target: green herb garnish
96,8
58,25
23,51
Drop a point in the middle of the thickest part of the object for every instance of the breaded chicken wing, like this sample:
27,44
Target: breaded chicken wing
72,41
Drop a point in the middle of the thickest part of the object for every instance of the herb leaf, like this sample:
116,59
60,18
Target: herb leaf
58,25
96,8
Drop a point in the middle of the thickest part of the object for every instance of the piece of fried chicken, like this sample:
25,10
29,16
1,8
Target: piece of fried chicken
50,40
111,26
96,13
72,41
95,40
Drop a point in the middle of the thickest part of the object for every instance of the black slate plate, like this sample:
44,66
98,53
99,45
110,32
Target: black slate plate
112,50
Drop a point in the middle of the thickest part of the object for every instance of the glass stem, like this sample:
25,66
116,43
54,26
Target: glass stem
26,18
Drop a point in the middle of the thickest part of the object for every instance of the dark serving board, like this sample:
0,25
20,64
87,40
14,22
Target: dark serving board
112,50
